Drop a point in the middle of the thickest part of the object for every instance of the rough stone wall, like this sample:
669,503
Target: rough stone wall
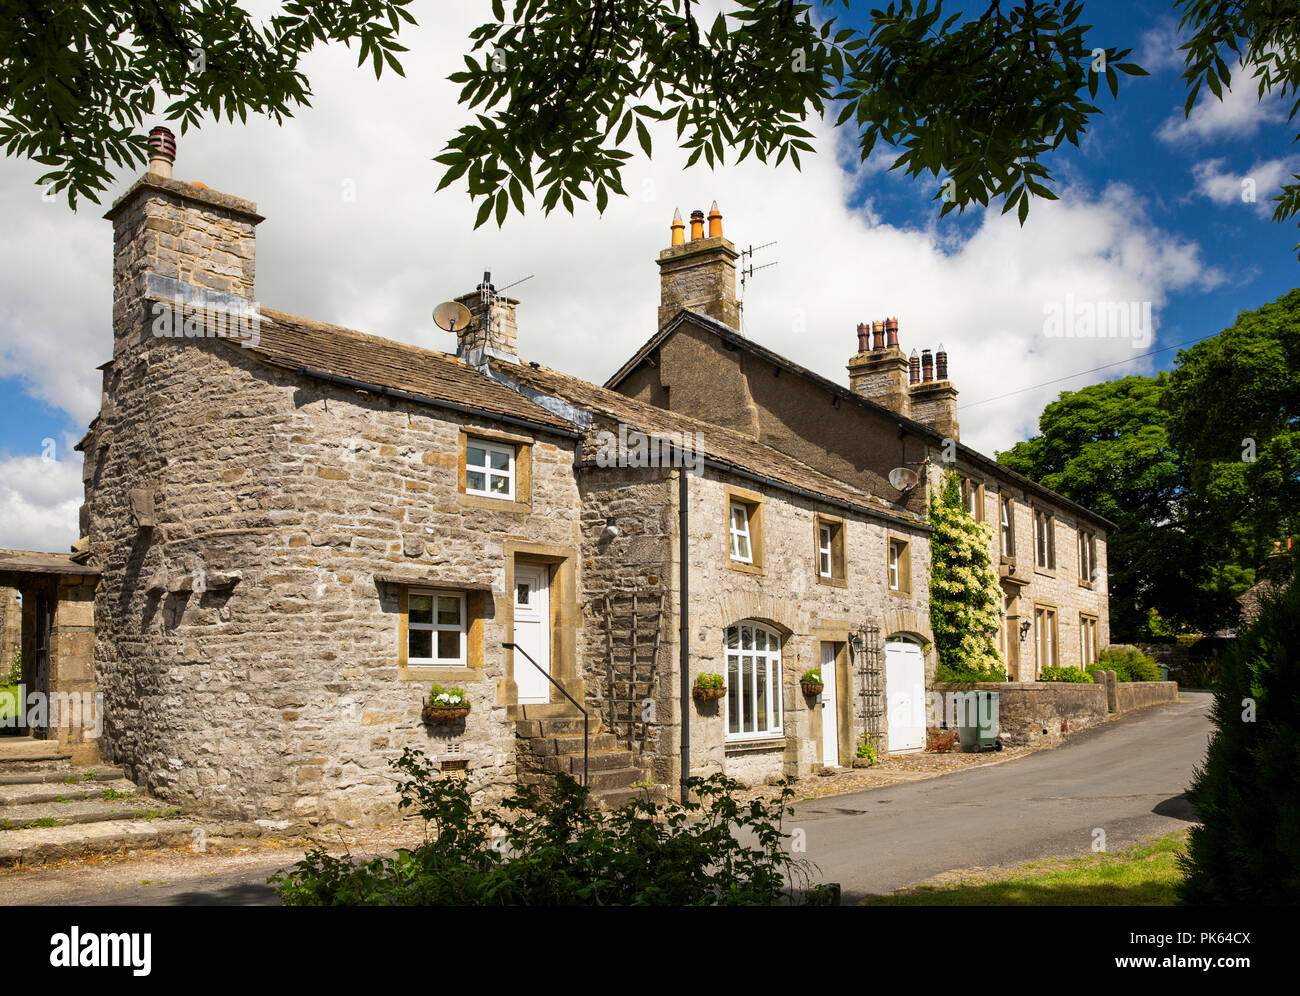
11,627
629,606
1144,694
1030,712
280,697
788,597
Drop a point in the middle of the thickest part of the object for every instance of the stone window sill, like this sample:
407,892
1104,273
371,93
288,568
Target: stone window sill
755,745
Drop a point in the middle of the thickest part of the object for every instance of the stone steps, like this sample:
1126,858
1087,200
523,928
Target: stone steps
553,745
50,810
43,844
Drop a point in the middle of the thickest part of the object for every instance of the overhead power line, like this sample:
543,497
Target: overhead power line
1084,373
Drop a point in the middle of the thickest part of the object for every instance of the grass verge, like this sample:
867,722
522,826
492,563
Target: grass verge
1146,874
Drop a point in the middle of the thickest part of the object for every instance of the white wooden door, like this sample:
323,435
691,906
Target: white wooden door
905,693
532,632
830,709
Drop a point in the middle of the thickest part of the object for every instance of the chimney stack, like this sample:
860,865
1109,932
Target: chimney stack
933,398
913,369
177,247
493,329
700,274
881,374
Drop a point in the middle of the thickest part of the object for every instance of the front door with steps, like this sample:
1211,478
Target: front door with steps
532,632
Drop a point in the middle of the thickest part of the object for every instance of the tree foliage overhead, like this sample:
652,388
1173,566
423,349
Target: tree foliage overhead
78,80
566,91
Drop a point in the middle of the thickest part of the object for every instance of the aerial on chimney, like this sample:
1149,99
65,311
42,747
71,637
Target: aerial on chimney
162,151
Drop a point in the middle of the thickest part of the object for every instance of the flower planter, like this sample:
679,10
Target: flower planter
442,715
703,694
811,688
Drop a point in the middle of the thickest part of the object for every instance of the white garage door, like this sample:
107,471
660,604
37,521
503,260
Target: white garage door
905,691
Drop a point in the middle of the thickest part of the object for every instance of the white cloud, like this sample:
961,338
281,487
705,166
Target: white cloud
382,261
39,499
1254,188
1158,50
1239,114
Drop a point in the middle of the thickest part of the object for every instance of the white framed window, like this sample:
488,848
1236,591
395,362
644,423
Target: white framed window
1087,640
972,498
824,542
1045,626
899,568
436,628
1087,555
489,469
1044,540
753,700
1008,527
742,550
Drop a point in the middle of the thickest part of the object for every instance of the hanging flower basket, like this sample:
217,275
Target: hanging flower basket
442,715
709,688
445,705
811,682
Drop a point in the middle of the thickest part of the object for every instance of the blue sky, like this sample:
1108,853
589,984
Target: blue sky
1151,210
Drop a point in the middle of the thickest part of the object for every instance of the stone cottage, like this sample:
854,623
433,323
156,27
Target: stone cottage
296,528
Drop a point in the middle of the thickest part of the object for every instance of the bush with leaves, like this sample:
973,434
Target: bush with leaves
15,674
1071,675
556,851
1128,663
965,593
1247,794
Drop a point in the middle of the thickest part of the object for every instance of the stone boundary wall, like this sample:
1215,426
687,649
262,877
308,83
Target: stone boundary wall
1034,711
1143,694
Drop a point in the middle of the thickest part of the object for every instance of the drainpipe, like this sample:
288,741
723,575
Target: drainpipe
684,622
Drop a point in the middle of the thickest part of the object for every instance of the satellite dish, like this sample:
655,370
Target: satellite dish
451,315
902,478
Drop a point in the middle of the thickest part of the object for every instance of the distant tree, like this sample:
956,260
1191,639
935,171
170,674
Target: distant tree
1234,404
1107,448
965,593
1247,795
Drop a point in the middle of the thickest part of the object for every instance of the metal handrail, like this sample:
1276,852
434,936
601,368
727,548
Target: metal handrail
586,720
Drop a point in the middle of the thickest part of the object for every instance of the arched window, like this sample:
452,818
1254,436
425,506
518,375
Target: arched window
753,682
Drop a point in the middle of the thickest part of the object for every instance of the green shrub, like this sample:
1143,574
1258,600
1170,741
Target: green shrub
1072,675
867,751
1128,663
555,851
1247,794
709,681
965,592
15,673
812,676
